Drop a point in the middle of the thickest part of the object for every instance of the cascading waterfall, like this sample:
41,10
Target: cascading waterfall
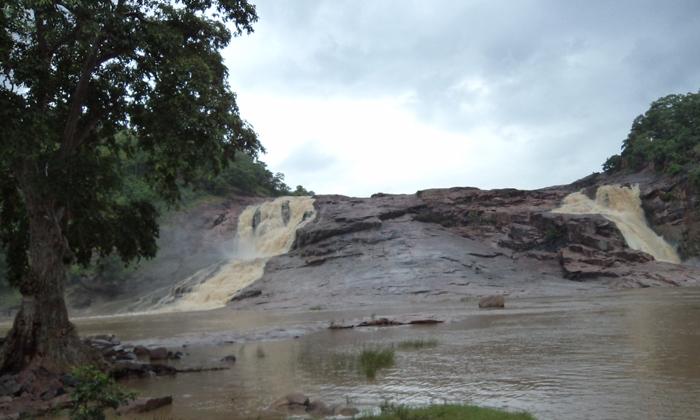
622,206
263,232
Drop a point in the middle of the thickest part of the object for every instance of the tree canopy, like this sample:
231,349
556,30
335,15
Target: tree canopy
666,138
75,75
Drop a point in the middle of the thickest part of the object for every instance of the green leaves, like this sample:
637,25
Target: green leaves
76,75
665,138
94,393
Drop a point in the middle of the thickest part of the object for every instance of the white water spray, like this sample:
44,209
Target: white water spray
622,206
263,232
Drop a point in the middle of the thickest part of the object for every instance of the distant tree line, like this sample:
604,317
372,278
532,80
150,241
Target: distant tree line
665,139
245,176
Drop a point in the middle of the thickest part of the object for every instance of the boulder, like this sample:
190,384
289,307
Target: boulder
345,411
144,404
141,351
229,358
103,337
99,344
162,370
68,380
318,408
122,368
294,403
175,356
10,388
45,385
127,355
159,354
49,367
109,352
494,301
297,398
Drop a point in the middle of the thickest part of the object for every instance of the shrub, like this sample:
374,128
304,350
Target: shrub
694,177
553,235
674,169
94,393
613,164
480,219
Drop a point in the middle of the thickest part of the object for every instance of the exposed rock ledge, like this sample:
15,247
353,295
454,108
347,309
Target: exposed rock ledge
451,243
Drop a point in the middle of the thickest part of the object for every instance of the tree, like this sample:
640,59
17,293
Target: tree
666,138
75,74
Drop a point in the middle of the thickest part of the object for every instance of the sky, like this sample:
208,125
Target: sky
360,97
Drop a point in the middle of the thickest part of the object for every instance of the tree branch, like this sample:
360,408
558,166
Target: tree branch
76,109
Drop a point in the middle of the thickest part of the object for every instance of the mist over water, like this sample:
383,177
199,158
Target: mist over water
263,232
622,206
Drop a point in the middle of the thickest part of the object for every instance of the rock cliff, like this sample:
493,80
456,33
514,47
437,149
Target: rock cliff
447,244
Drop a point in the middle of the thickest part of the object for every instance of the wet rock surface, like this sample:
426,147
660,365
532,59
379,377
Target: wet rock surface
449,244
143,405
297,404
495,301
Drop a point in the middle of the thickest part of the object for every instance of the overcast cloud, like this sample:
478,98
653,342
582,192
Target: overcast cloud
358,97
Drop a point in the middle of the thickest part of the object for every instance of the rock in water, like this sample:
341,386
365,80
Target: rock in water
495,301
159,353
141,351
141,405
286,213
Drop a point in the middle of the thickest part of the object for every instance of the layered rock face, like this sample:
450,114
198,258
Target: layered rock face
453,243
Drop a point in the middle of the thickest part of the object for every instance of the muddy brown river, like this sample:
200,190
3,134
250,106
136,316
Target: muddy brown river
624,355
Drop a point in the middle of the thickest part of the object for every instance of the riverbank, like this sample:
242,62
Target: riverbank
628,354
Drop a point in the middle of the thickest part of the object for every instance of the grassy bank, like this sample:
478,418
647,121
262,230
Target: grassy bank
444,412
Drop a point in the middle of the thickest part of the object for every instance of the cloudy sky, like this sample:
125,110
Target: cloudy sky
359,97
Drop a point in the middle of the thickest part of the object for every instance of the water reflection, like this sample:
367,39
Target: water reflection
625,355
617,356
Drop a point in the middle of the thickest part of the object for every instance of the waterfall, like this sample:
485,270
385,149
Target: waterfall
263,232
622,206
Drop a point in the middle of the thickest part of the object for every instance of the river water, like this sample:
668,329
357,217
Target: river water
624,355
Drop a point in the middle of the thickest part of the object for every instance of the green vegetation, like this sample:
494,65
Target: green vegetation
480,219
94,393
551,235
317,308
465,299
77,77
391,411
373,359
260,353
666,139
417,344
107,275
246,174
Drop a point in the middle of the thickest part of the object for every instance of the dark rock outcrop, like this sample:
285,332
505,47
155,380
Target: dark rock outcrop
495,301
445,244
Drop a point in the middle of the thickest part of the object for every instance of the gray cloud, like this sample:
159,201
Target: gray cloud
570,75
308,158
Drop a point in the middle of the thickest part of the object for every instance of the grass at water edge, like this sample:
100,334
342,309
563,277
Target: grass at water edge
444,412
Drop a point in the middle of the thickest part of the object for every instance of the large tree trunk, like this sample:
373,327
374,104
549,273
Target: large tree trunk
41,328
